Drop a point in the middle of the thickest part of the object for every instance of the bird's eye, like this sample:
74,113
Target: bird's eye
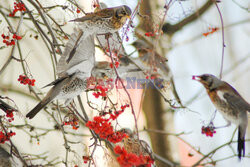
204,77
103,74
123,13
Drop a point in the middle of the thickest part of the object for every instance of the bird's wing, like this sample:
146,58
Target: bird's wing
57,81
78,56
114,42
104,13
235,100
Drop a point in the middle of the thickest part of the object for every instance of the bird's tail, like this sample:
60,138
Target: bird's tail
241,143
38,107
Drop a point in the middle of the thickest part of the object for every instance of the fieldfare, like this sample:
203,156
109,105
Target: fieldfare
230,104
108,20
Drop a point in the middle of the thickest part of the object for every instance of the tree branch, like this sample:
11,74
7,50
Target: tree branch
171,29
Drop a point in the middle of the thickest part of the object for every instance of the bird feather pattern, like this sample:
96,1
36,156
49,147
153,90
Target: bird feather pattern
83,58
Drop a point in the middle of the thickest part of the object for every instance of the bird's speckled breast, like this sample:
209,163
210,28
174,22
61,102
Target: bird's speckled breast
221,105
76,86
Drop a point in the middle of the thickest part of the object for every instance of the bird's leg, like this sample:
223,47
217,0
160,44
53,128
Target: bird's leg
227,125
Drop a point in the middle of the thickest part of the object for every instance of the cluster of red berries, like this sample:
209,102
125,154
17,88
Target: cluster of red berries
6,137
151,77
86,159
102,126
149,34
208,130
26,80
154,32
117,113
73,121
8,41
17,7
211,31
117,63
130,159
10,115
78,10
105,130
100,91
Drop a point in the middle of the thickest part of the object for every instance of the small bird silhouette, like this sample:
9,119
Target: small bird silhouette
103,21
230,104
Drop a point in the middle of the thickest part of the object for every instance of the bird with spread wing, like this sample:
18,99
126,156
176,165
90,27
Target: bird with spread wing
78,60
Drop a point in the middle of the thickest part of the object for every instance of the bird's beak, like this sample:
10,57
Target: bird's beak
196,77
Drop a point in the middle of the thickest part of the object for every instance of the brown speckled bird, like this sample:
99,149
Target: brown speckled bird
108,20
133,145
152,61
230,104
151,58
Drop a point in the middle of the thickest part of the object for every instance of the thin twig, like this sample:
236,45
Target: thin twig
223,38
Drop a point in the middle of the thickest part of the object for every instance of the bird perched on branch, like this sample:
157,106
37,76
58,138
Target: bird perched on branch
156,64
152,59
103,21
73,70
78,60
230,104
133,145
63,88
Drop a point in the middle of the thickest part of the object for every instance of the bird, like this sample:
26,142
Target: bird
63,88
73,70
152,59
229,103
103,21
134,145
78,60
156,65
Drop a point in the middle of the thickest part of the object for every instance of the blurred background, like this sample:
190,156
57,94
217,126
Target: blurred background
173,133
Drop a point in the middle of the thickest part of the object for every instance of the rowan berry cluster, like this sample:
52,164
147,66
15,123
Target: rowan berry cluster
86,159
71,120
8,41
154,33
208,130
10,115
102,126
126,159
117,63
78,10
17,7
117,113
26,80
105,130
101,90
6,137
